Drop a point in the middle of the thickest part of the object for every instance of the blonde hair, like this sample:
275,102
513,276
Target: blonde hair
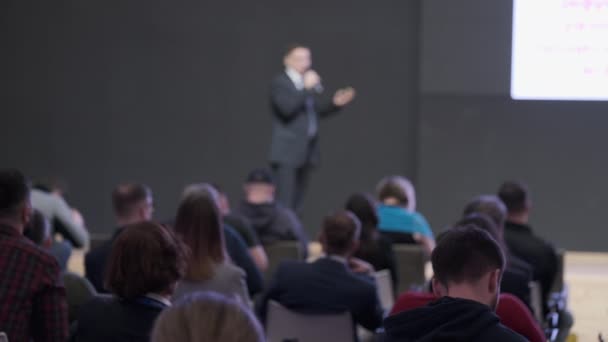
207,316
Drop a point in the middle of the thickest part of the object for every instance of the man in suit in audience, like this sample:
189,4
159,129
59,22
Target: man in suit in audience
132,203
32,297
295,97
333,284
520,238
468,264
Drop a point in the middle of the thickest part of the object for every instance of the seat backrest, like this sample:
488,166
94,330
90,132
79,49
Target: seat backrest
3,337
536,300
384,286
558,282
278,252
411,260
284,325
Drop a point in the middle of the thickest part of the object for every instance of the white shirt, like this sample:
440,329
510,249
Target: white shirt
159,298
296,78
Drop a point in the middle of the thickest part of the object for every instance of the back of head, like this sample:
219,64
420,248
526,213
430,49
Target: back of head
145,258
340,233
363,206
131,200
465,255
199,224
489,205
515,196
38,229
207,317
397,190
481,221
14,197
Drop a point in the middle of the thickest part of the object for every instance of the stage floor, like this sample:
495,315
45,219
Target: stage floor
586,275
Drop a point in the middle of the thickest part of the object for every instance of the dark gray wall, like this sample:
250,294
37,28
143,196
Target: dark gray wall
172,92
473,136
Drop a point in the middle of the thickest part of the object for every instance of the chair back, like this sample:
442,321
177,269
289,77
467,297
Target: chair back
3,337
411,260
284,325
279,252
536,300
384,286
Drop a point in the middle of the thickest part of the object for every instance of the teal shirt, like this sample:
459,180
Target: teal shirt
400,220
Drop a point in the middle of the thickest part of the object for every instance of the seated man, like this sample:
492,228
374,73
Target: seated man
132,204
32,297
468,264
333,283
270,219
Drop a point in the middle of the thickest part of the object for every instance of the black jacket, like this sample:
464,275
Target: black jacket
95,262
291,144
449,319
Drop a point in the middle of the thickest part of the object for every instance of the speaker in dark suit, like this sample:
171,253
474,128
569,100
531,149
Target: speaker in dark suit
297,105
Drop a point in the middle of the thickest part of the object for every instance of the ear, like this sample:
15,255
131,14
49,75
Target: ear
494,281
438,289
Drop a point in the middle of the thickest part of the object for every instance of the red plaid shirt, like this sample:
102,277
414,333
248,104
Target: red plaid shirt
32,297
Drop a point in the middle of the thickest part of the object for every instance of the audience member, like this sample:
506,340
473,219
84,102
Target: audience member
332,284
132,204
32,297
468,264
78,289
512,312
207,317
397,214
373,246
242,226
145,263
199,224
270,219
520,238
514,280
66,221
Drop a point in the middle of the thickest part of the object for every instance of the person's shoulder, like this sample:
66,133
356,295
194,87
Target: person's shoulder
28,249
280,77
500,333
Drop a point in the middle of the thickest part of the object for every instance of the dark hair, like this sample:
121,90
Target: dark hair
38,228
145,258
489,205
290,47
14,191
465,254
514,195
126,197
199,224
362,205
340,230
397,187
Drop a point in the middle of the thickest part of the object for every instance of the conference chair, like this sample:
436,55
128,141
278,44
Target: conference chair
284,325
384,286
279,252
411,260
536,300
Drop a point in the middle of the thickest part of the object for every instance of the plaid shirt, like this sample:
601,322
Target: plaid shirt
32,297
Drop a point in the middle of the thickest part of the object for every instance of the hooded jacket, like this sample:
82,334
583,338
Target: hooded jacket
449,319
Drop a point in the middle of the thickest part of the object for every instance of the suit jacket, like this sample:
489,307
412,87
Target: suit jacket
95,263
325,286
291,144
108,318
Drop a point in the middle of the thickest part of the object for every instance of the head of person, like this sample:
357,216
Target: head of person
516,198
132,203
260,187
38,230
297,57
207,316
145,258
199,225
468,263
397,191
15,206
340,233
491,206
364,207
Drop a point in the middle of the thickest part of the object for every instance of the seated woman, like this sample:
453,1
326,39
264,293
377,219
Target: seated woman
145,263
374,248
199,224
207,317
398,219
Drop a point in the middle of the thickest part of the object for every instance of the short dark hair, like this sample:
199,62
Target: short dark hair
514,195
481,221
340,230
465,254
38,228
127,196
394,187
292,46
489,205
14,191
363,206
145,258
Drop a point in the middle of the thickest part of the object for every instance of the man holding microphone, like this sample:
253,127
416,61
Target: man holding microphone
296,107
